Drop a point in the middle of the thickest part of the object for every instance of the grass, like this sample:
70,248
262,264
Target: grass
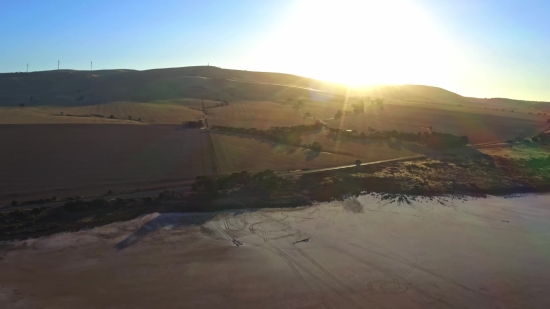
260,115
479,126
236,153
366,150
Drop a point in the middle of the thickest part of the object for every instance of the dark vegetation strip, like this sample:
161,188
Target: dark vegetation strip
292,135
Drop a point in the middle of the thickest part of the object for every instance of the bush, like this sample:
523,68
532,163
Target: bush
193,124
358,162
14,203
315,146
98,203
79,205
36,210
74,205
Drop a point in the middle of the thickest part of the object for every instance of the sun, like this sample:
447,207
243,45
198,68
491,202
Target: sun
359,42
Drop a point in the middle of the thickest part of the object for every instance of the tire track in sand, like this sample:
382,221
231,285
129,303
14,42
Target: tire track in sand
416,266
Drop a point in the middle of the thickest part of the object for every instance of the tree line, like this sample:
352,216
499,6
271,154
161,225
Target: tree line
284,135
291,136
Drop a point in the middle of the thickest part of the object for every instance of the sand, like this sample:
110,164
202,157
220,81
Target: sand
360,253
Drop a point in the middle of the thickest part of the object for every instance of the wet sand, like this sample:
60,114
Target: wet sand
359,253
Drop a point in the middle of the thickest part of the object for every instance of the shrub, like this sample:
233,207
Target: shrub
74,205
98,203
358,162
14,203
315,146
36,210
193,124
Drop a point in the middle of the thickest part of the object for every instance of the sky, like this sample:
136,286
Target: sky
479,48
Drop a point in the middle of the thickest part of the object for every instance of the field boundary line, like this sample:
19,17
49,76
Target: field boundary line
214,153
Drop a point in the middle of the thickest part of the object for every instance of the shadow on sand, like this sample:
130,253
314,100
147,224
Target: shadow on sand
172,221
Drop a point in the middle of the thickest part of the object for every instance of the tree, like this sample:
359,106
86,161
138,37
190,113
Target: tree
359,107
315,146
111,117
298,105
379,101
129,117
338,114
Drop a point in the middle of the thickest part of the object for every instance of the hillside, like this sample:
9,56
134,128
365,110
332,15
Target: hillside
77,88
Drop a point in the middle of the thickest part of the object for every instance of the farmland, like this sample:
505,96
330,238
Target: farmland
40,161
366,150
151,113
260,115
236,153
62,140
479,125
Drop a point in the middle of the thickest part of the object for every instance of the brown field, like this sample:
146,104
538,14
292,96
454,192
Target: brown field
260,115
39,161
366,150
479,125
236,153
150,113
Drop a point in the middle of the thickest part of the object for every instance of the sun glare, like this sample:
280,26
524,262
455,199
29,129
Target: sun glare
359,42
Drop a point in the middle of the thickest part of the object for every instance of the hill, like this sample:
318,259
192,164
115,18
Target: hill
77,88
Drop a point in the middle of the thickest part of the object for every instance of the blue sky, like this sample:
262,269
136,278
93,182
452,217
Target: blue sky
483,48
